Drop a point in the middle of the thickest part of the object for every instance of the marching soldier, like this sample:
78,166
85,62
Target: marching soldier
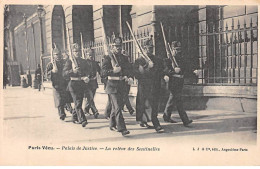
118,71
78,73
126,97
92,85
174,76
58,82
69,99
149,77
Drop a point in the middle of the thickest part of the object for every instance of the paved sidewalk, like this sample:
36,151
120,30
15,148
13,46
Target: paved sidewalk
29,114
30,120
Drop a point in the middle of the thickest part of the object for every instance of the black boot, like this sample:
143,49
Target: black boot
168,119
61,112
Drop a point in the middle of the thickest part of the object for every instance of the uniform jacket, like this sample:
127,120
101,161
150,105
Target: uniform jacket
94,69
57,79
113,86
175,83
151,78
78,85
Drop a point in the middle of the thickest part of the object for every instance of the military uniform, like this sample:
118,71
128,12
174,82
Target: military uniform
69,99
59,84
149,84
127,101
175,86
116,86
76,84
91,86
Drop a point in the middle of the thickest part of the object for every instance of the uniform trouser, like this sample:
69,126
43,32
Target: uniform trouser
116,116
90,104
176,99
147,102
77,97
61,111
127,101
59,96
108,108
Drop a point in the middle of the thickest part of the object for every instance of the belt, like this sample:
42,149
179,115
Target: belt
179,76
77,78
116,78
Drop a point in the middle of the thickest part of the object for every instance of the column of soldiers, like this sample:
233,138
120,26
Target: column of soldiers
72,84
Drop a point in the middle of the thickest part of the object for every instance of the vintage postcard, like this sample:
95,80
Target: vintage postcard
129,83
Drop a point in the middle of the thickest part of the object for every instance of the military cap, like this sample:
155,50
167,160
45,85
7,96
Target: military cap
75,47
176,45
148,43
56,51
118,41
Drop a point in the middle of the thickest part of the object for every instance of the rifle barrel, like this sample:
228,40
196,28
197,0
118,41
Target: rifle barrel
73,60
173,56
139,48
106,46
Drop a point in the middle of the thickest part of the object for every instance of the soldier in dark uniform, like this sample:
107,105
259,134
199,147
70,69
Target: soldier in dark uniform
175,86
92,85
58,82
149,75
117,78
126,97
69,99
78,78
38,76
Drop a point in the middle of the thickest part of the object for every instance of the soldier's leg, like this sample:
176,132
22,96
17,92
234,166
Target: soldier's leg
92,105
74,112
183,115
169,108
90,98
128,105
61,112
108,107
116,100
78,99
169,105
155,121
87,106
112,116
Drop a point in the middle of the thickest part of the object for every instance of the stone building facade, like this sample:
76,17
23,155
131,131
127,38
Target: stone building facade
219,41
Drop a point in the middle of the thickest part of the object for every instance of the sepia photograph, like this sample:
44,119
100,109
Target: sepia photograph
129,84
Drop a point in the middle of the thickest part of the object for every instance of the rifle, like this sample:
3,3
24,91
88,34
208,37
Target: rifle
139,48
167,48
72,58
106,46
82,47
173,55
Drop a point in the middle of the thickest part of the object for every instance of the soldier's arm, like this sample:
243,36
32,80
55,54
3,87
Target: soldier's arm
67,70
167,67
136,68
